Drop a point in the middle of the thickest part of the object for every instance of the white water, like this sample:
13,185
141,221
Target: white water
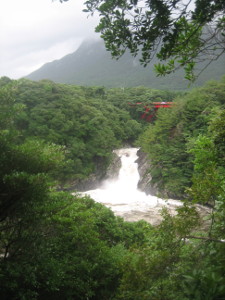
123,197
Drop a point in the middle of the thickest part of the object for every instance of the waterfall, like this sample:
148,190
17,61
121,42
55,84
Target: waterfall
123,196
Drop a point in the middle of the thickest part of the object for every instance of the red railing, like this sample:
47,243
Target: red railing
151,108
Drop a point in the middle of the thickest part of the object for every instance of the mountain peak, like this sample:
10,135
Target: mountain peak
92,65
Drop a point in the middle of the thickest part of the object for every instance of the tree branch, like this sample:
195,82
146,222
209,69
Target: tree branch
208,239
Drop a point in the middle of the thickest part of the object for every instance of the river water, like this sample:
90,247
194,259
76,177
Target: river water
123,196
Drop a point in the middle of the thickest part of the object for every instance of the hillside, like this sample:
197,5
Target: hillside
92,65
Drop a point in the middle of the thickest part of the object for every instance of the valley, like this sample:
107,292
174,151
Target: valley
57,146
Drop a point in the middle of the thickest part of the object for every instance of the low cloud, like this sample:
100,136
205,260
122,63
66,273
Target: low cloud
36,32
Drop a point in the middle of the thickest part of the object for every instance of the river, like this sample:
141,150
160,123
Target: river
123,196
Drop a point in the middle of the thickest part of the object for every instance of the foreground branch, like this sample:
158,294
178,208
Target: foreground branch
205,239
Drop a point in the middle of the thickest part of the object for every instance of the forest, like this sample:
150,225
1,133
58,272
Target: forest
57,246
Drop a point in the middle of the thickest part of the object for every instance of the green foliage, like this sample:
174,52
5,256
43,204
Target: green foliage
9,108
54,245
79,119
185,35
57,246
168,140
206,180
217,127
195,126
209,173
155,270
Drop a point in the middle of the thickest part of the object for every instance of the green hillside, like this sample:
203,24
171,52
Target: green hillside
92,65
56,246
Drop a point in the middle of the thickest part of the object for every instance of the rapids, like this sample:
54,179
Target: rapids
123,196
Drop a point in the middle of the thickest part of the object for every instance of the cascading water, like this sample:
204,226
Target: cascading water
123,197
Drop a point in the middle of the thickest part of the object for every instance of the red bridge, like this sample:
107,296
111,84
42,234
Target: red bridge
151,109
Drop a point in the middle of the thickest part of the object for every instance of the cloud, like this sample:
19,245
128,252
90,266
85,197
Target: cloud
34,32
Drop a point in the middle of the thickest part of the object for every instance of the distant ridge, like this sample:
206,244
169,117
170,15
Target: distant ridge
92,65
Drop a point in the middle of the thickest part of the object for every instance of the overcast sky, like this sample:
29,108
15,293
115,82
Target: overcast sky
33,32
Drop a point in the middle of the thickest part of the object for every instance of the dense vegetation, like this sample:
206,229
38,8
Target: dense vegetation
57,246
88,122
170,139
77,118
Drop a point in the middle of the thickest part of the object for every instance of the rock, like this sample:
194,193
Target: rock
113,169
92,182
95,180
153,215
125,201
144,183
111,173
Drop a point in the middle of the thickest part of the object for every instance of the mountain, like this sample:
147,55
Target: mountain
92,65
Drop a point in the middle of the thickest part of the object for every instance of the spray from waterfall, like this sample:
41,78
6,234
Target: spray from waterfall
123,196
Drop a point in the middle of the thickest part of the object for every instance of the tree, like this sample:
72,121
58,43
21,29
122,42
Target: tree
53,245
180,33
